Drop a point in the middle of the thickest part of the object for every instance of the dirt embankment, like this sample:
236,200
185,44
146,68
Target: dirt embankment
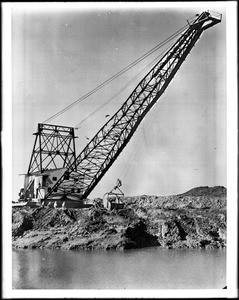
196,219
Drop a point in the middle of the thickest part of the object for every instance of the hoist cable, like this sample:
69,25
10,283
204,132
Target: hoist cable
117,74
121,90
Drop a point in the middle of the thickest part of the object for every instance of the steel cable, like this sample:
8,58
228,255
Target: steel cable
121,90
117,74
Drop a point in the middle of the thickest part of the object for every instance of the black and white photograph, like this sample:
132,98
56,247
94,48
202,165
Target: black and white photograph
119,141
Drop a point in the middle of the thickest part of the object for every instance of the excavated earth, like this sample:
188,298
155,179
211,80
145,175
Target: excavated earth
195,219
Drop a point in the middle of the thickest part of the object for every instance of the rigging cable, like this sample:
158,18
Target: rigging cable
117,74
121,90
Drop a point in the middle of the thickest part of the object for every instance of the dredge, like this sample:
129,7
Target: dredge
58,177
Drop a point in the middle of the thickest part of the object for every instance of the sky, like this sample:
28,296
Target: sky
60,54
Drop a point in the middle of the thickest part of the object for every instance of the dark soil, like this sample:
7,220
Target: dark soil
195,219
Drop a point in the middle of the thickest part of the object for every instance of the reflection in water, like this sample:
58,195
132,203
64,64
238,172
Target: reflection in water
148,268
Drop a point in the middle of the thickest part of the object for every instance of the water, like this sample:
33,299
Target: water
148,268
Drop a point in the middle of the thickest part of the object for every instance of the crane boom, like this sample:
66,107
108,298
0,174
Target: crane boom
92,163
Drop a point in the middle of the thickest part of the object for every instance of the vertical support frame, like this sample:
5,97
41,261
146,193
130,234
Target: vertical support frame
54,148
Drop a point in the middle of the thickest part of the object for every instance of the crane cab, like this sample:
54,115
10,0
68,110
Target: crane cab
38,184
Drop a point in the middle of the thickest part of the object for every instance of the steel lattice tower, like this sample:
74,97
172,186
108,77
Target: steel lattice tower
54,148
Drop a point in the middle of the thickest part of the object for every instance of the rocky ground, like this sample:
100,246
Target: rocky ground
195,219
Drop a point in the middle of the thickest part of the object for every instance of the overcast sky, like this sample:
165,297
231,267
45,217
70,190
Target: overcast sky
58,55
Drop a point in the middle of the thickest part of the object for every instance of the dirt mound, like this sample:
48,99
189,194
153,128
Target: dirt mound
21,222
180,221
47,217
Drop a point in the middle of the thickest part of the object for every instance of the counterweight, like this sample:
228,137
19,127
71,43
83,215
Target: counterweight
92,163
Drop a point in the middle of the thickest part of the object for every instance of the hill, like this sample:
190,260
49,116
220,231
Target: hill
216,191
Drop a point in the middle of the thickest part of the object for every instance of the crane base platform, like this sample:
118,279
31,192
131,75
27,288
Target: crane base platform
64,203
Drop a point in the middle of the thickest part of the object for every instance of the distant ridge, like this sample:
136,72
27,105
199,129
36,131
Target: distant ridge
216,191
